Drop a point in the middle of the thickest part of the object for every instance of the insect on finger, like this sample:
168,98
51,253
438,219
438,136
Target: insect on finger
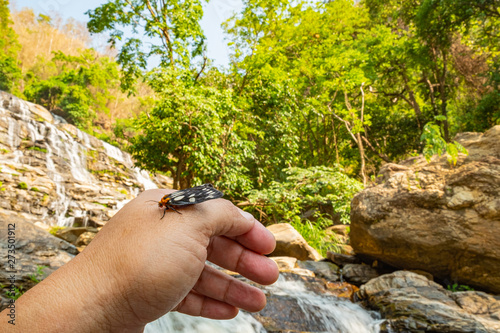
188,196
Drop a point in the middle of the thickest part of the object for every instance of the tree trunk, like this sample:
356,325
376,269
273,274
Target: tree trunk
444,97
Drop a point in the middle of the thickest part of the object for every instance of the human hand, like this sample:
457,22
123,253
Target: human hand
139,267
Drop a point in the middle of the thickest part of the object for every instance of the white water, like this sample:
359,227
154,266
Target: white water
117,154
179,323
65,156
335,314
143,177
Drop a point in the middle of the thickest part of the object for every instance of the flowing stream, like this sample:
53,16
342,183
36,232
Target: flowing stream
330,314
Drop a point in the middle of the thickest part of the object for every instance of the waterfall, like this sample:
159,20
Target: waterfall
331,313
175,322
29,126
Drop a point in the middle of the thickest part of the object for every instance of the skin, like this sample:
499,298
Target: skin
139,267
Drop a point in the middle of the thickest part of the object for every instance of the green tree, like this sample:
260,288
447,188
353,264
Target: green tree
438,68
172,27
80,89
9,46
307,194
321,51
194,130
191,134
436,145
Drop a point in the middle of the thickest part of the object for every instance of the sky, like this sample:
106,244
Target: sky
215,12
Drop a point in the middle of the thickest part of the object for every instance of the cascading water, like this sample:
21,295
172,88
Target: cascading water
180,323
141,175
65,156
329,313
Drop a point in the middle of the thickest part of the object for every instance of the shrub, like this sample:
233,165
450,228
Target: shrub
324,193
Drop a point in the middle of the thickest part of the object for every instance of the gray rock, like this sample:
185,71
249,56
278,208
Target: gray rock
322,269
342,259
412,303
35,248
358,274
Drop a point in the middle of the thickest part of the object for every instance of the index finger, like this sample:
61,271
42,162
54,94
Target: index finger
221,218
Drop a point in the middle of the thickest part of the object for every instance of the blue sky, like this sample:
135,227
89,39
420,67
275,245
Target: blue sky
215,12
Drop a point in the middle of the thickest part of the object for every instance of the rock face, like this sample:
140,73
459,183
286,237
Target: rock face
56,174
434,217
36,251
412,303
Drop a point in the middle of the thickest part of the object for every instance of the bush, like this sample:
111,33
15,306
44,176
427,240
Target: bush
318,193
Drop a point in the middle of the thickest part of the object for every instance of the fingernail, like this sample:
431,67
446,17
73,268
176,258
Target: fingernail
246,215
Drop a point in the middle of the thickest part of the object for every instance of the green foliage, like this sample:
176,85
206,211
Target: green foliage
191,133
326,192
15,293
436,145
80,89
54,229
175,23
458,287
124,128
22,186
315,236
38,275
10,72
271,123
43,150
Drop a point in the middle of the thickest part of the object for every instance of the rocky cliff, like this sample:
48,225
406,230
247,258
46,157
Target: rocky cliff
53,173
436,217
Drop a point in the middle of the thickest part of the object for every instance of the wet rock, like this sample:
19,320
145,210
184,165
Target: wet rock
290,243
322,269
342,259
72,234
343,289
358,273
412,303
301,310
434,217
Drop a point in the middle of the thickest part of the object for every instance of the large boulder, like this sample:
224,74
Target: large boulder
412,303
290,243
436,217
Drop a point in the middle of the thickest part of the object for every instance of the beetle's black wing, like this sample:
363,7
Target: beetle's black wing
194,195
